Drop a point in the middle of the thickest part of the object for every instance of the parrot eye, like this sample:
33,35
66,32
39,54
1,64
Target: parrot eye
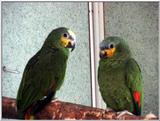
111,45
65,35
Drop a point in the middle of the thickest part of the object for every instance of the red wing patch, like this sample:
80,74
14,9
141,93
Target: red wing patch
137,97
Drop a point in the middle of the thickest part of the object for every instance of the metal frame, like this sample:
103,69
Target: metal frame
96,28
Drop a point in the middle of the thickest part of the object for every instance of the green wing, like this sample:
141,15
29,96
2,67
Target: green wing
35,82
134,83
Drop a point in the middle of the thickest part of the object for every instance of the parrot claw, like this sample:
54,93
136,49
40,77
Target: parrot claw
54,99
150,116
109,109
122,113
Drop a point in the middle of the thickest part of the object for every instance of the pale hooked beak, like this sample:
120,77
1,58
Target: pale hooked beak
71,44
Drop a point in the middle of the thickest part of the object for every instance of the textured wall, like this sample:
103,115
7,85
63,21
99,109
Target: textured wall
25,25
137,23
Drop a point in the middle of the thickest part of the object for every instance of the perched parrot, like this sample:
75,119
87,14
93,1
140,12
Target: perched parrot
44,73
119,77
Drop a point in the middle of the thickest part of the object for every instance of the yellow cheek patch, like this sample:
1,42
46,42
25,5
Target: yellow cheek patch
110,52
64,41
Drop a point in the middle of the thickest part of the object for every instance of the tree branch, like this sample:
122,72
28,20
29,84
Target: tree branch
64,110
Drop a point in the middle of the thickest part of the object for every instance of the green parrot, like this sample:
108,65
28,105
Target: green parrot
44,73
119,77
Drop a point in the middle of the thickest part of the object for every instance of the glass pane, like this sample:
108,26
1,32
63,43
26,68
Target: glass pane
137,23
25,25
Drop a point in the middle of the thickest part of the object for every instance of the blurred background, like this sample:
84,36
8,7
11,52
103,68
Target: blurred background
25,26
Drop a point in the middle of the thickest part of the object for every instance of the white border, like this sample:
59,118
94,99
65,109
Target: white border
100,31
84,0
159,58
1,64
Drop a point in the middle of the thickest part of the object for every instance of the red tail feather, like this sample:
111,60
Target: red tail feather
137,97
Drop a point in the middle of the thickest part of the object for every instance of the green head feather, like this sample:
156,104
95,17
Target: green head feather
62,38
114,47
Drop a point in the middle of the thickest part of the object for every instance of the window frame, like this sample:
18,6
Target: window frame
96,33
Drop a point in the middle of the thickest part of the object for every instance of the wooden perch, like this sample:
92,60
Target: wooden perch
64,110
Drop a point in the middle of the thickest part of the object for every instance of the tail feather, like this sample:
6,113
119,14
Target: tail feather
20,115
137,103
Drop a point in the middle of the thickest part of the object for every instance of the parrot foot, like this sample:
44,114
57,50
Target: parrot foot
122,113
150,116
109,109
54,99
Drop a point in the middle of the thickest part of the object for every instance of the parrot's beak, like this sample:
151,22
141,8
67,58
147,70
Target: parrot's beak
107,53
71,44
68,43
